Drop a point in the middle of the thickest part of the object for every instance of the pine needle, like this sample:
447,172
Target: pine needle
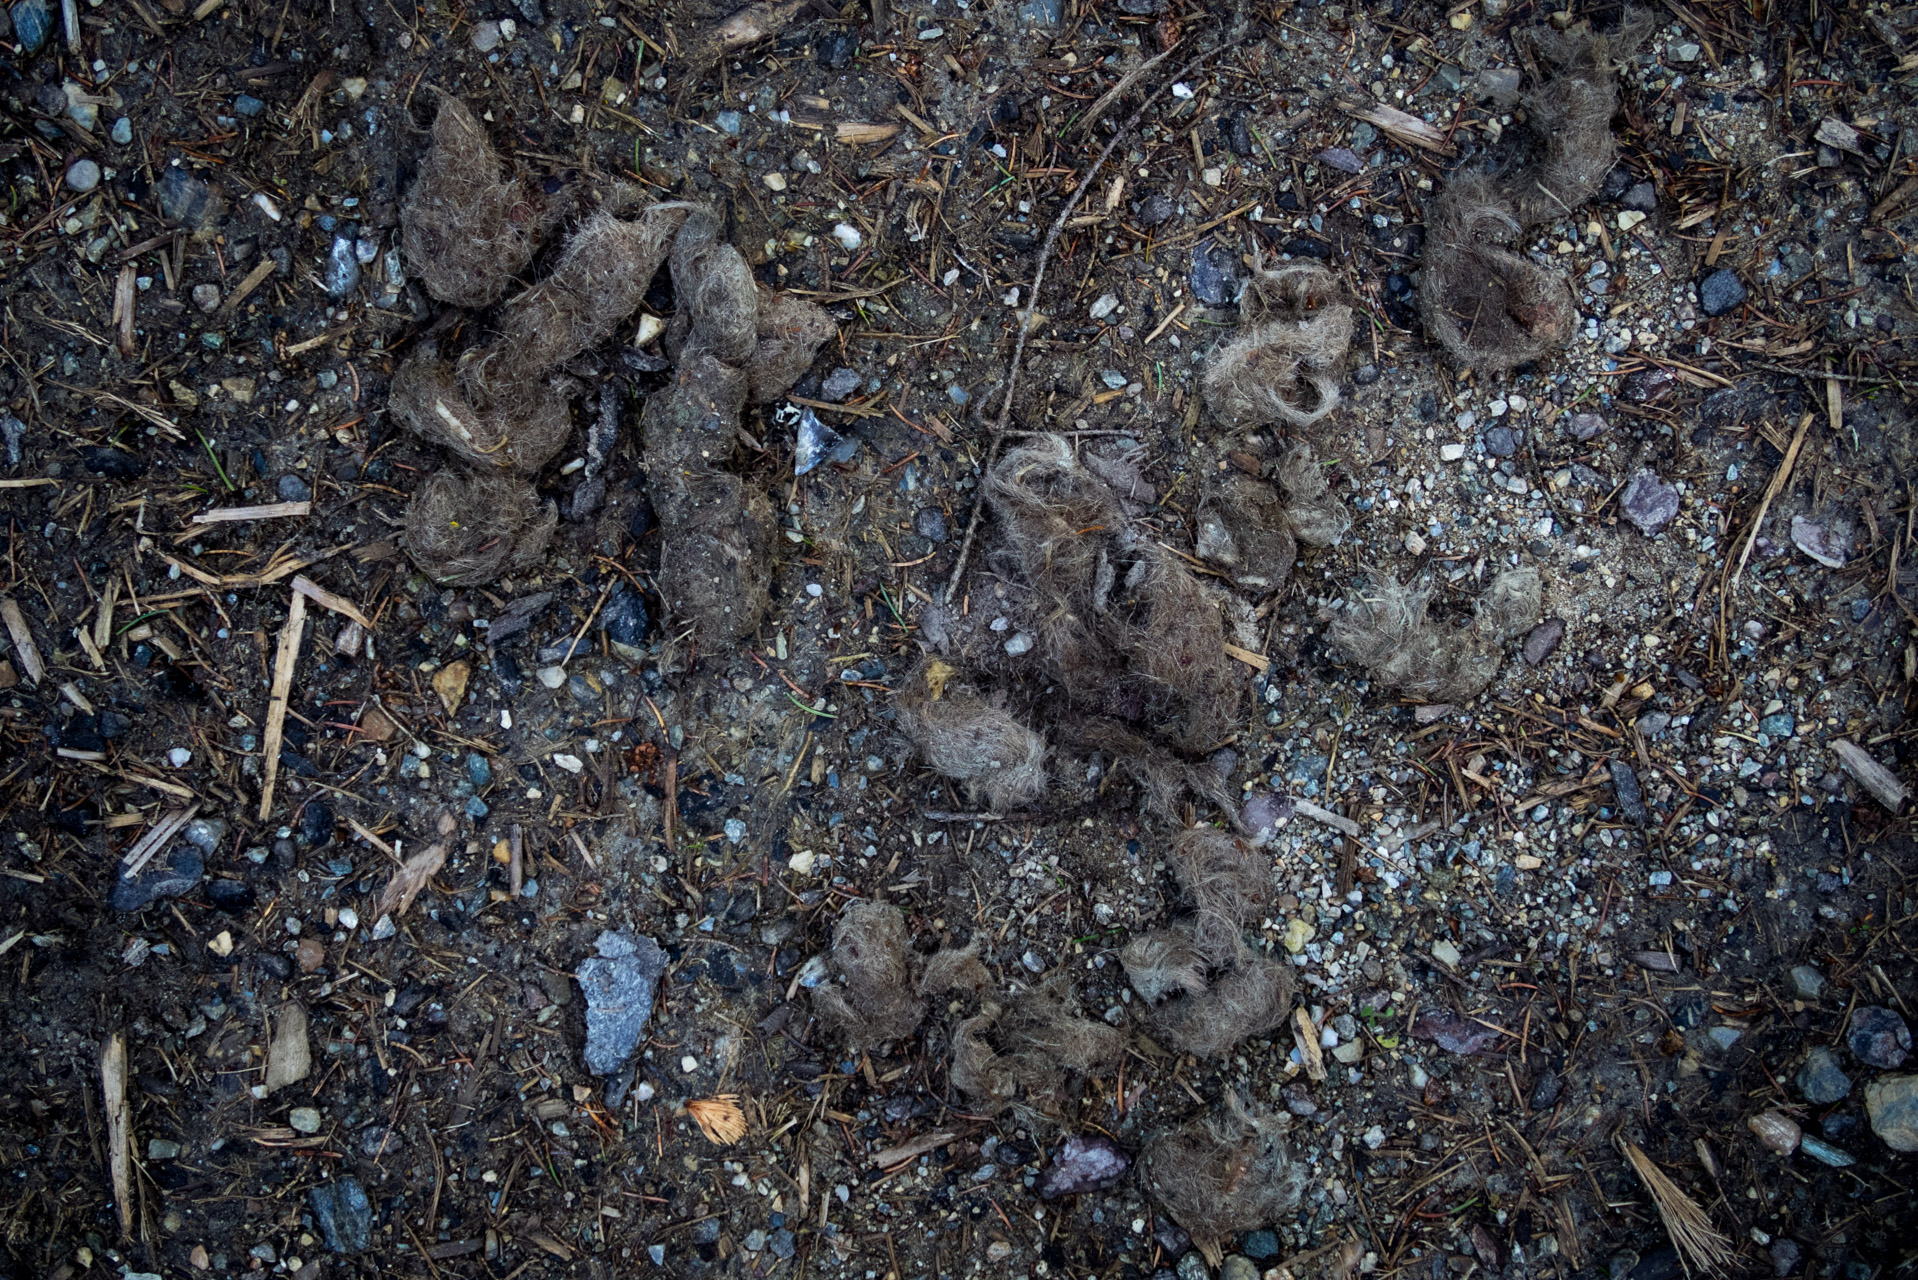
720,1118
1699,1243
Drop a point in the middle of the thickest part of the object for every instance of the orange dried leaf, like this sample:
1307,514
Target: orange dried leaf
720,1118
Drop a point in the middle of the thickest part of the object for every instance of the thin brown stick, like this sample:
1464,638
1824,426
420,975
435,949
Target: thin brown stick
1700,1245
113,1094
1032,299
287,657
1778,479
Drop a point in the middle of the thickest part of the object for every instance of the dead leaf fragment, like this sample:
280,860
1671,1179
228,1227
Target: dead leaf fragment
719,1118
413,876
450,683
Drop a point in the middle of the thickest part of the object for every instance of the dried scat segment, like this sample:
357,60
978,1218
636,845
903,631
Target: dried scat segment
872,956
1487,304
600,280
717,533
1489,307
1389,631
1570,115
1246,528
1026,1054
1222,1173
468,527
466,229
521,435
963,736
1124,627
1294,330
882,985
1207,990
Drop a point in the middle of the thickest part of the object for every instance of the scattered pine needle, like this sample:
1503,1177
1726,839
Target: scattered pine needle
720,1118
1699,1243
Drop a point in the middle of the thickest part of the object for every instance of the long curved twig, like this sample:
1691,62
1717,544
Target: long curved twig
1032,307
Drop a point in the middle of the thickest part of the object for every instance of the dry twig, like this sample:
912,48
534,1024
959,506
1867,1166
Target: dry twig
1700,1245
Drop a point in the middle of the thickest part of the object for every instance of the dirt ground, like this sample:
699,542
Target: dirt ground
1630,898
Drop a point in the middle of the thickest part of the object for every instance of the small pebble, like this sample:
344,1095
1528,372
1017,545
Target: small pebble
83,175
179,757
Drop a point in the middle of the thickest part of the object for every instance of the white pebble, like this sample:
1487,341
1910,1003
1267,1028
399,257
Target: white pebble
570,763
1451,452
1105,306
179,757
689,1064
848,237
776,181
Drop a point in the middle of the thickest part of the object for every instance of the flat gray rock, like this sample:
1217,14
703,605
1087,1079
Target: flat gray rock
619,984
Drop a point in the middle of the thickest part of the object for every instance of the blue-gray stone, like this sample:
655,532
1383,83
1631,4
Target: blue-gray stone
623,618
1879,1037
619,984
1821,1079
839,384
479,771
1720,292
657,1252
1192,1267
1261,1245
1649,502
1215,278
782,1243
1825,1153
1501,442
32,24
184,198
476,808
1805,982
343,1214
163,877
293,489
248,105
1778,726
1724,1037
342,267
122,132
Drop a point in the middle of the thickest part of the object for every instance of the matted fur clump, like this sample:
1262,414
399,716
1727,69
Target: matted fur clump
1222,1173
1124,627
467,527
1028,1053
1293,331
1388,630
466,229
880,996
497,410
1097,631
1205,988
716,548
1252,532
1486,303
965,737
1490,307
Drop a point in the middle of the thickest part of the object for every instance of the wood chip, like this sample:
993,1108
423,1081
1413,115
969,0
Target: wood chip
157,837
1257,661
23,646
248,285
1306,1036
290,1055
449,682
1404,127
1872,776
123,312
113,1092
327,600
1330,819
914,1148
266,511
858,132
284,661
